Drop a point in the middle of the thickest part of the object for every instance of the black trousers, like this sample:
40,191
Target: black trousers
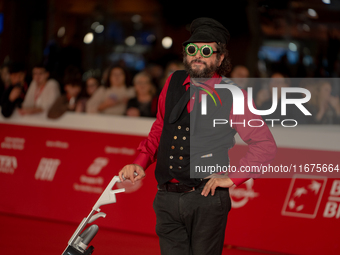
191,224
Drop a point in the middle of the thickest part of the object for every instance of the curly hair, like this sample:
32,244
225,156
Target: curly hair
225,66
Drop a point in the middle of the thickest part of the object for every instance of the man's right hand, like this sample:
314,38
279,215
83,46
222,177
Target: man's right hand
15,93
128,173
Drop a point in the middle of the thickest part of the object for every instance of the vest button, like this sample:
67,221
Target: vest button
172,147
184,138
175,137
170,167
171,157
181,148
179,167
180,157
179,127
187,129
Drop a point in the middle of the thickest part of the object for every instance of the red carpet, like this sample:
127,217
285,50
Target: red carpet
30,236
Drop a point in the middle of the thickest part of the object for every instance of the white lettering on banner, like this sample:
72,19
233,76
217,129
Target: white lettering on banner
304,196
57,144
87,188
89,182
240,196
332,208
123,151
8,164
97,165
47,169
335,190
14,143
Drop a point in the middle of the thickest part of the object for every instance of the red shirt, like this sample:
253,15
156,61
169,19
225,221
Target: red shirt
261,144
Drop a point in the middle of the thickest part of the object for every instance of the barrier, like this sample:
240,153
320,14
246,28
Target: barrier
56,169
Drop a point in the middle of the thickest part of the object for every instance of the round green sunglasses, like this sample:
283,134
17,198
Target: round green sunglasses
206,50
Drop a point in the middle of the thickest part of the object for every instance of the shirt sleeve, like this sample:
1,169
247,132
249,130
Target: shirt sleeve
7,106
148,148
29,98
95,100
261,144
59,107
51,95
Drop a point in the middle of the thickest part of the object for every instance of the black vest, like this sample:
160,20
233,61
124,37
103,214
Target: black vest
179,152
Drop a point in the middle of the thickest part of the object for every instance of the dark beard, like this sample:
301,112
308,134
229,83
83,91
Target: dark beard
207,72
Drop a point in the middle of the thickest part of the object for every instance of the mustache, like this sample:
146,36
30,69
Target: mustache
197,61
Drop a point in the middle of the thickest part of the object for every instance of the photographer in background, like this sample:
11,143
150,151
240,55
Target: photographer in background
14,95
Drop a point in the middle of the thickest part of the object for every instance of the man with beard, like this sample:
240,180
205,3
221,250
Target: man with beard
192,212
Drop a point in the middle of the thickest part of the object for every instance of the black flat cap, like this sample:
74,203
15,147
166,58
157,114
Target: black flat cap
207,30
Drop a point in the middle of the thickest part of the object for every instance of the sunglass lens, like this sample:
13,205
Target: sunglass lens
206,51
191,49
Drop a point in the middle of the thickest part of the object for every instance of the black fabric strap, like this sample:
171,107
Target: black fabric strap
180,187
181,104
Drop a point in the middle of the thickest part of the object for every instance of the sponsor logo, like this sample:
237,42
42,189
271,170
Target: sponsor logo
92,183
8,164
97,165
242,194
47,169
57,144
15,143
332,208
123,151
304,196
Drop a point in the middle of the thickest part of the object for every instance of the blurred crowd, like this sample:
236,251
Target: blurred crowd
111,93
116,93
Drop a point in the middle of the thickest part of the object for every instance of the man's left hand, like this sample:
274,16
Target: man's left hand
215,181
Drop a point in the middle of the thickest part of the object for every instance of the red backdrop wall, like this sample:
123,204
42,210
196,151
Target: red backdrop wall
59,173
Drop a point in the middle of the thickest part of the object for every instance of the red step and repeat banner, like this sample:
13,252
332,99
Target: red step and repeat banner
57,170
